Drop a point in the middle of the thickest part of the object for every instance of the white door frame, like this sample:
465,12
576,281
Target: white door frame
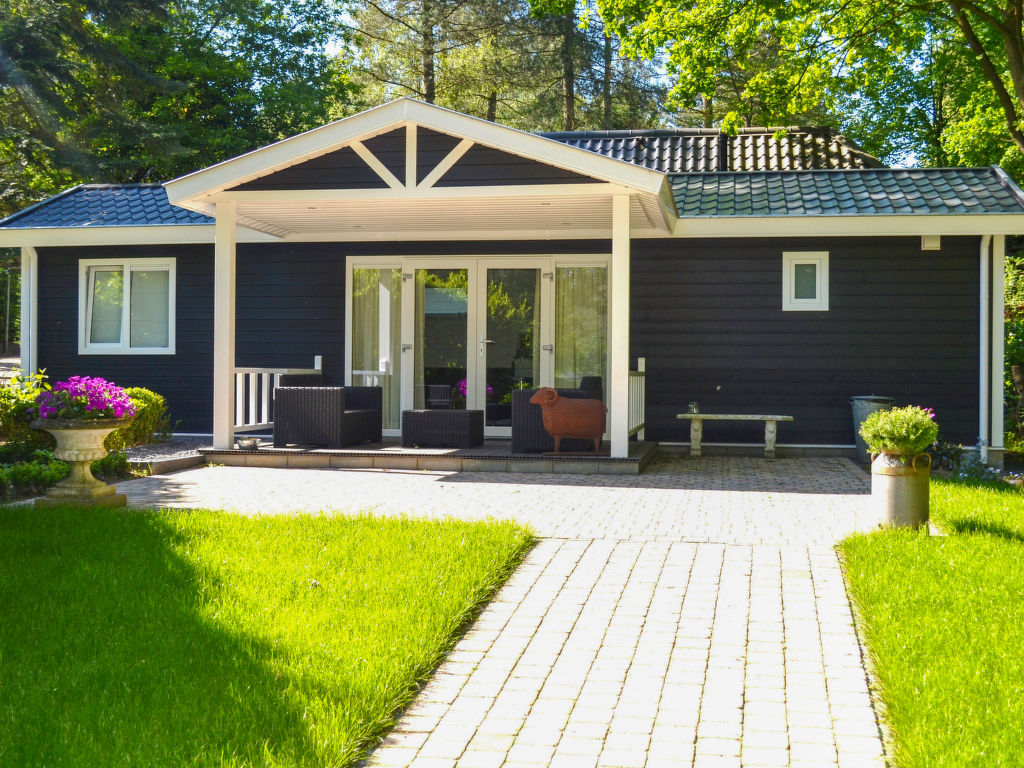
476,264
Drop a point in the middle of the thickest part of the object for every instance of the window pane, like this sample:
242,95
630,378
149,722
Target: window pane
149,304
581,327
376,340
805,281
107,301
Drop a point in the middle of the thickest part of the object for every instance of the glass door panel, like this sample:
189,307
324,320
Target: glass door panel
581,328
376,337
510,345
441,326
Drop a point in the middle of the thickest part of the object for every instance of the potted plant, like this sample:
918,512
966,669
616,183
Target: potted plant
80,413
900,468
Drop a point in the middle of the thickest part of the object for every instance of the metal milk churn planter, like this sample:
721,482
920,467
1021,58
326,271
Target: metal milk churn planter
899,488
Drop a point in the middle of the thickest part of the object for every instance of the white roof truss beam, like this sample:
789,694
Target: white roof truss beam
378,167
446,164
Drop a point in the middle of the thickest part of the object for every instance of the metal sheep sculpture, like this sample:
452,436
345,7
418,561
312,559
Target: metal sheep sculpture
570,417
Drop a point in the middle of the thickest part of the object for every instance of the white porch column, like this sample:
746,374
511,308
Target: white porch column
618,336
998,336
29,304
224,327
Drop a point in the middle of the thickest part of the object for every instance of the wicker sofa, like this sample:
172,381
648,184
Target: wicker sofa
528,433
331,417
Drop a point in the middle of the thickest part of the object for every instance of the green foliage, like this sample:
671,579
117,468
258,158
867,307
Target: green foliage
16,399
151,422
113,466
28,478
907,431
145,90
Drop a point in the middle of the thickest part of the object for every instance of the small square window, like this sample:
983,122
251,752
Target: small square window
805,281
126,306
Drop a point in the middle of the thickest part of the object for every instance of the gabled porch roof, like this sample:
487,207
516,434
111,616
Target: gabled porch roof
409,170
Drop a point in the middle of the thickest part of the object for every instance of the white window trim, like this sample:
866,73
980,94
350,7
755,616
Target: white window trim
85,305
790,259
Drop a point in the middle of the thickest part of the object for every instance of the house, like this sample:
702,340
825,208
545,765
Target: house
449,258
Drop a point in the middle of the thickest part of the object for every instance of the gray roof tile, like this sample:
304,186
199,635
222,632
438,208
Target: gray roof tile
705,149
105,205
882,191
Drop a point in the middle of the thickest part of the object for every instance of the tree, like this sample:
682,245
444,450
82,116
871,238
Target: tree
143,90
843,58
502,60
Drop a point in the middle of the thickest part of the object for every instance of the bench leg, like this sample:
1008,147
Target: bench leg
696,433
769,439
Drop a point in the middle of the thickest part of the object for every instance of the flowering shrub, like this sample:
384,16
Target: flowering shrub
82,397
907,431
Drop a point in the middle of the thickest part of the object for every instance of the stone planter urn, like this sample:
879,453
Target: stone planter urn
899,488
79,443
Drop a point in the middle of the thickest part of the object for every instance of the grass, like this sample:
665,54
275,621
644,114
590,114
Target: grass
942,619
200,638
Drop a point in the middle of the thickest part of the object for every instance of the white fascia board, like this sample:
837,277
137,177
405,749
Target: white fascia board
183,234
850,226
185,190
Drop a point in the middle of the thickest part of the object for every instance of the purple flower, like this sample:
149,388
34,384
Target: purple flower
84,397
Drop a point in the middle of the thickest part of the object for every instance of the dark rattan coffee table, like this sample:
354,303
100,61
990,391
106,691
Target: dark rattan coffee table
442,429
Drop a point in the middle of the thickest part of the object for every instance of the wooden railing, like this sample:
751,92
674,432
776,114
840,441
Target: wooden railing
254,395
638,399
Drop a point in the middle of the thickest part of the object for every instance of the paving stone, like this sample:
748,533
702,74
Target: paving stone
693,616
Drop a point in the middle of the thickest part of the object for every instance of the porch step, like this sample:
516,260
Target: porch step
490,458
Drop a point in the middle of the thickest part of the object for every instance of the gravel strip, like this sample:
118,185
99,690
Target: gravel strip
175,448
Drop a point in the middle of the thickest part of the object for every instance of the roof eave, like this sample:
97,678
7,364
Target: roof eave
850,225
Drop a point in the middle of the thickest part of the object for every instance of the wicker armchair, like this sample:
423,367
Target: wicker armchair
528,433
332,417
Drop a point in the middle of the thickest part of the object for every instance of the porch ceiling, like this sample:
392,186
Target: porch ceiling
465,217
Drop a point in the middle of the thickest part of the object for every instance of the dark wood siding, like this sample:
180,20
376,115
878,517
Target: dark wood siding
902,322
341,169
431,148
485,165
289,307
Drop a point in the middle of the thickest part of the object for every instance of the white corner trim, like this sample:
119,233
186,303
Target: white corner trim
790,260
998,337
984,350
85,303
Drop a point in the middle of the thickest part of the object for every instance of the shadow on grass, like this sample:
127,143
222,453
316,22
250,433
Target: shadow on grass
984,528
109,654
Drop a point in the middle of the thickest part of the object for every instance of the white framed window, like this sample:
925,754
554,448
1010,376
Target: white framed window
805,281
126,306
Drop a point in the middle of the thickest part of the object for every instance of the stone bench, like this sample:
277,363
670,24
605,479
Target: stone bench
697,428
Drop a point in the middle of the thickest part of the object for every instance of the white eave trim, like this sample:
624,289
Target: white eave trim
172,234
396,114
849,226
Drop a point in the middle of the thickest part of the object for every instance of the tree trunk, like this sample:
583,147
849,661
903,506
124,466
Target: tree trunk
606,83
427,48
568,72
492,106
709,111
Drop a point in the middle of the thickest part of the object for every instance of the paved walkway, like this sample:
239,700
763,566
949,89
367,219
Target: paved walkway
692,616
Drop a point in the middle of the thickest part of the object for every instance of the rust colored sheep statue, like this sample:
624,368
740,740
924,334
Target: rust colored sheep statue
570,417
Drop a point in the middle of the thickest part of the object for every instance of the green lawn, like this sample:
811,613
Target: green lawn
204,638
944,623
